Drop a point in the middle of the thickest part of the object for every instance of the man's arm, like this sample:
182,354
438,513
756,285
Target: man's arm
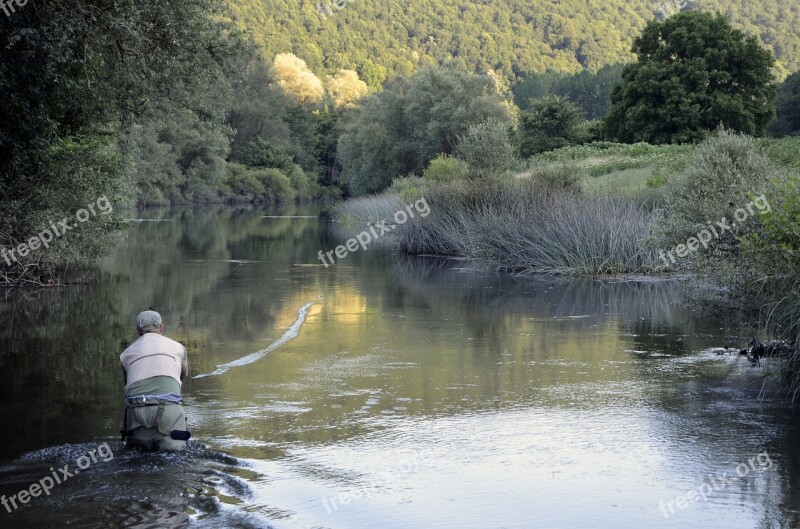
185,365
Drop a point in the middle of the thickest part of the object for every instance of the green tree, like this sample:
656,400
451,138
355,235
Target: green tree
259,106
75,76
694,72
788,107
399,130
551,122
177,159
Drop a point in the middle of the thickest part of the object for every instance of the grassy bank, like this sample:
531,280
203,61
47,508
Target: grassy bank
524,226
602,208
619,166
568,214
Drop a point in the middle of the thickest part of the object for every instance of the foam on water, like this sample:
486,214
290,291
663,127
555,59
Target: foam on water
291,333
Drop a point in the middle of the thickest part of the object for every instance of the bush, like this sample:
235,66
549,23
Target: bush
277,186
725,172
589,131
445,168
562,176
408,188
242,182
777,247
270,184
657,180
487,149
261,153
552,122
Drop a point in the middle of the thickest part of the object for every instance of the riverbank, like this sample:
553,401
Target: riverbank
725,210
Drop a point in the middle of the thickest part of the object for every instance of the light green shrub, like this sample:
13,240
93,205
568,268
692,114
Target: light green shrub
725,171
487,149
445,168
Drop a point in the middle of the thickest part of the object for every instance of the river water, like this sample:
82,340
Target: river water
384,392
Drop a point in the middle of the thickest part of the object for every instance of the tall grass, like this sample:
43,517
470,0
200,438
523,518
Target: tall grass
522,225
370,209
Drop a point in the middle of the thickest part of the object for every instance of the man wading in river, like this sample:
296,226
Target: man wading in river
153,367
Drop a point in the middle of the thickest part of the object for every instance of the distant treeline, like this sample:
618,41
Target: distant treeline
397,37
590,91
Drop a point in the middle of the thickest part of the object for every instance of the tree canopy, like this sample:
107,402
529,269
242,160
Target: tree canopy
694,73
400,129
73,76
511,37
550,123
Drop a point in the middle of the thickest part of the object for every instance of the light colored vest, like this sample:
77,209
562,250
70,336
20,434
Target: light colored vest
152,355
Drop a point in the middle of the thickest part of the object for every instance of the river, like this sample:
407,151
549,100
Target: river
384,392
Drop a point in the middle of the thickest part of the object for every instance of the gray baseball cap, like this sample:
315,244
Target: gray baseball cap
148,321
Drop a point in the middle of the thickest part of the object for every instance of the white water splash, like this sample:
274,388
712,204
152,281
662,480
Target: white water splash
290,333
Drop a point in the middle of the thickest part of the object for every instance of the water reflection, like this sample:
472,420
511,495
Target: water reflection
518,398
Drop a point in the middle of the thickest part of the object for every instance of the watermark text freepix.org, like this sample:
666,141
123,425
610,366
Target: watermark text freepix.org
712,232
7,6
59,476
387,477
715,483
364,238
322,8
46,236
667,8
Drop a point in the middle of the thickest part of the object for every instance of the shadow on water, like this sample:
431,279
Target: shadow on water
125,488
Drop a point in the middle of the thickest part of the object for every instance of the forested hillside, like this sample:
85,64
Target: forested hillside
512,37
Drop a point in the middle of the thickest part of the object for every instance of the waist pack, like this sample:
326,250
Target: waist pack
166,417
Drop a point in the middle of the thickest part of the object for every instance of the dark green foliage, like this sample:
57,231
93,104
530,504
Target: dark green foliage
590,91
177,159
261,153
259,106
552,122
399,130
76,74
694,73
787,121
